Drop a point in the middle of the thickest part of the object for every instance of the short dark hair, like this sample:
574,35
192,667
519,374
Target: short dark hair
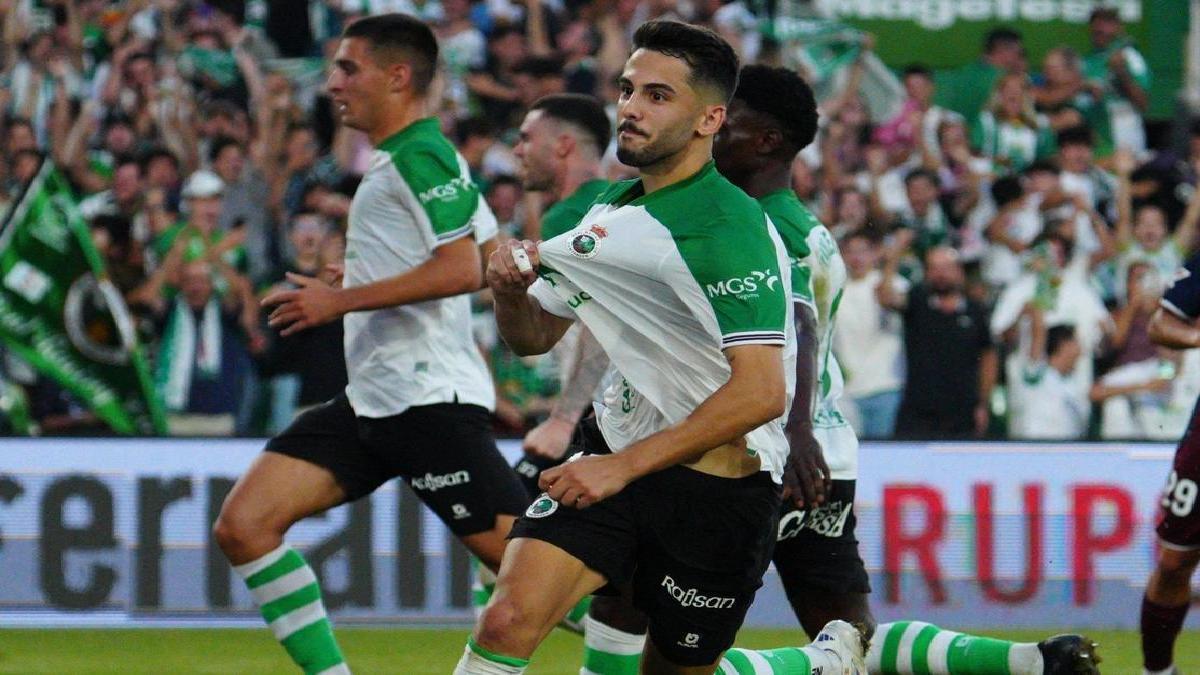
1006,190
927,174
711,60
472,127
408,36
1042,166
1108,13
218,145
868,234
580,110
1056,336
156,152
783,95
1076,135
917,69
502,180
1000,37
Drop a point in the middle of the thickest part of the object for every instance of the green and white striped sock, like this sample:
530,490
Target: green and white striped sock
608,651
289,598
478,660
785,661
918,648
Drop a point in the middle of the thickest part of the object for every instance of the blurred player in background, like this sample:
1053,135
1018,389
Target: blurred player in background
1169,592
772,117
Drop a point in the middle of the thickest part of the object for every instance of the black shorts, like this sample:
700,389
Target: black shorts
445,451
692,547
1179,508
816,548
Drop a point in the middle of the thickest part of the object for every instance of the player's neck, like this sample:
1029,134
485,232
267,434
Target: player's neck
683,164
396,118
770,178
575,174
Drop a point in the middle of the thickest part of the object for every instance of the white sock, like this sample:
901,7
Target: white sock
1169,670
477,661
607,649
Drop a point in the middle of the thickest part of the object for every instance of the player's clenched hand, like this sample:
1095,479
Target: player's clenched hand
584,481
806,478
508,274
312,304
549,439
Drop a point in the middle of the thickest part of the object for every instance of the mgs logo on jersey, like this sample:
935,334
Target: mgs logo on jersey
432,483
743,288
446,191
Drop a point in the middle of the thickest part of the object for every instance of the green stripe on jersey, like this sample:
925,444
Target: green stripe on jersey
428,164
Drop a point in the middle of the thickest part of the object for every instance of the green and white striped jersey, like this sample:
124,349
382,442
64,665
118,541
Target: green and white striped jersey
416,196
665,282
818,276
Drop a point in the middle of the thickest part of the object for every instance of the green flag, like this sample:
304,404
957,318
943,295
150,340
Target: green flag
61,314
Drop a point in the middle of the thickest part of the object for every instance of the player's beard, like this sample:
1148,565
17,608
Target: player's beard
654,151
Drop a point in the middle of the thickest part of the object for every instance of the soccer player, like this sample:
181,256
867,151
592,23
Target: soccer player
682,280
561,142
771,118
419,395
1168,593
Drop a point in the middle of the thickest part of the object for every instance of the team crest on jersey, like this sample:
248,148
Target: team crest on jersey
541,507
586,244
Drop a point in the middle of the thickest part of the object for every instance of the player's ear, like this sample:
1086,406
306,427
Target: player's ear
769,141
712,120
399,77
564,145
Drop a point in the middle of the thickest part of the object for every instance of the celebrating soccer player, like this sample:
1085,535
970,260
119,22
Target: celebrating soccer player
418,401
680,278
771,118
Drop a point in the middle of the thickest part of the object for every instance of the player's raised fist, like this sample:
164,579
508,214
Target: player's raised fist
512,267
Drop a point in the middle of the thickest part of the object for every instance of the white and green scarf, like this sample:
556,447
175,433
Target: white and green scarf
180,353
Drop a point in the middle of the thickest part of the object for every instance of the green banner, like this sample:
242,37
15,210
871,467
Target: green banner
60,313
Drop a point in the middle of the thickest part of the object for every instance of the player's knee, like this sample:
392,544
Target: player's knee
237,532
1175,568
507,627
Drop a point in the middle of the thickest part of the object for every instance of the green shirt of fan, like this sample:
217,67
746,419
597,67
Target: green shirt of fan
1096,68
566,213
966,90
197,245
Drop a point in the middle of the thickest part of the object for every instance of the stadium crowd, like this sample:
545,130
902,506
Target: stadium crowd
1007,231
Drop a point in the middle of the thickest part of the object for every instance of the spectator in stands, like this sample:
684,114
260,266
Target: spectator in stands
867,339
124,198
1080,175
579,42
463,49
1142,232
494,84
538,76
1009,131
1055,406
968,89
243,207
915,128
952,364
1119,70
1063,95
504,198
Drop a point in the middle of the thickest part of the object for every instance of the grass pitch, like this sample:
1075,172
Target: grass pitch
373,650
